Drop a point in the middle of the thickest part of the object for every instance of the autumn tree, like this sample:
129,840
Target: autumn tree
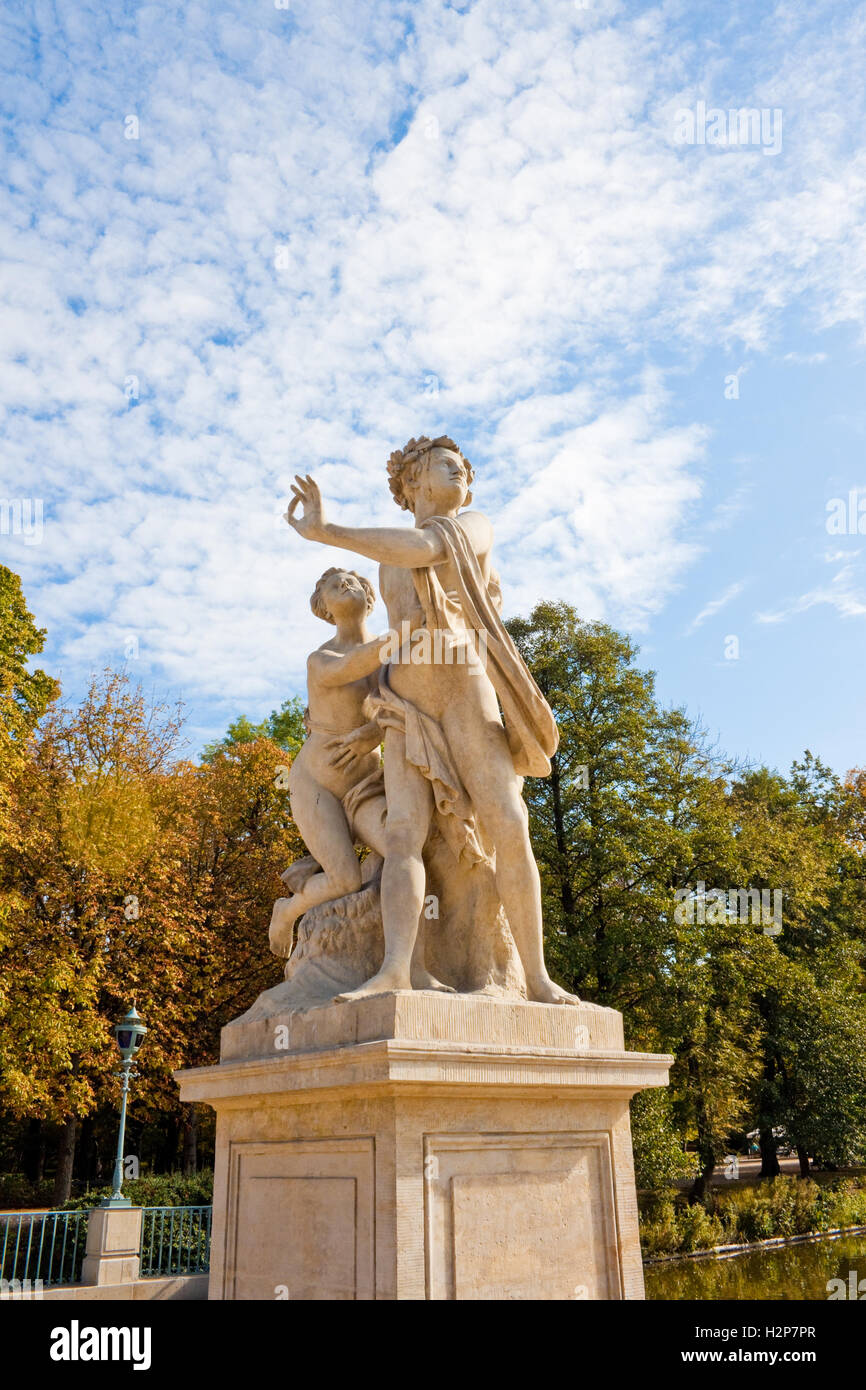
143,877
76,949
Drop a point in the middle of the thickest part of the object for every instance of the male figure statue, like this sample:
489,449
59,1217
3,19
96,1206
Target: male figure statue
445,745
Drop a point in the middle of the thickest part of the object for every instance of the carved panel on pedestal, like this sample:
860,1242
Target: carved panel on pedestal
510,1215
301,1219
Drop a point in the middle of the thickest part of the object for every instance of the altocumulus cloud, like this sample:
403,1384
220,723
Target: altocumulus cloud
330,227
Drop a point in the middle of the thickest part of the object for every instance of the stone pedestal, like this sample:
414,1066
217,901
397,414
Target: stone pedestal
425,1146
113,1246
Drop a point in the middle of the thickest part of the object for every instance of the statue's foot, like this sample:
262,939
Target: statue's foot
296,876
282,929
544,991
422,979
384,983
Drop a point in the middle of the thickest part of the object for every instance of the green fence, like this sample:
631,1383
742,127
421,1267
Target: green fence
50,1245
175,1240
45,1245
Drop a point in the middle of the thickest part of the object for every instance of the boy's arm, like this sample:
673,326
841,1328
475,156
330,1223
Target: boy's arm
405,547
361,661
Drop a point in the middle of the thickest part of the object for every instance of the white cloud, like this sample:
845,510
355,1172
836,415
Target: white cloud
842,594
725,513
540,257
710,609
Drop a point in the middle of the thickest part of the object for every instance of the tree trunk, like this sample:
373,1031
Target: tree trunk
769,1157
706,1146
701,1182
566,893
168,1148
190,1140
84,1157
31,1150
65,1159
804,1161
601,972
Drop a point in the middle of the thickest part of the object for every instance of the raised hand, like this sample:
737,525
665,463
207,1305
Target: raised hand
312,524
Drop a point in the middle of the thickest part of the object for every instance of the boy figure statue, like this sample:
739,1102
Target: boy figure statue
335,785
446,749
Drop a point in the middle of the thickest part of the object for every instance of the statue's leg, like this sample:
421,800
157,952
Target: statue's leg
322,823
480,750
369,823
370,829
410,809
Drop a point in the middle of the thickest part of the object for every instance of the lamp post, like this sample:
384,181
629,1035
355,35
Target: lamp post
130,1035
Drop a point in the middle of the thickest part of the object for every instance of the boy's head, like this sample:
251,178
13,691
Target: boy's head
341,591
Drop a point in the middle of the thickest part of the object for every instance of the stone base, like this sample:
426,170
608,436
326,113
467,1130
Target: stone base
425,1146
171,1288
113,1241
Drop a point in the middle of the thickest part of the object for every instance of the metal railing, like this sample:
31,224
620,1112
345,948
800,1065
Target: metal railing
175,1240
46,1245
50,1245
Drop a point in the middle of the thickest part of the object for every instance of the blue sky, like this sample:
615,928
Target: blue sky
240,240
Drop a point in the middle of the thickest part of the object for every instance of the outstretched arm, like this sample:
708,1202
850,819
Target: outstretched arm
390,545
361,661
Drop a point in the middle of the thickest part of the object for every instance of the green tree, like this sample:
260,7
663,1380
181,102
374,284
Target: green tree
635,809
284,726
657,1146
25,694
792,837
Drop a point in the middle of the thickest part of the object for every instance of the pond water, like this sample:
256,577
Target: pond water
782,1272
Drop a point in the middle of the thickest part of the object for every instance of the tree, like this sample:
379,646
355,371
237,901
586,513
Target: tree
634,810
794,836
284,726
25,696
76,949
821,1096
659,1158
637,819
142,877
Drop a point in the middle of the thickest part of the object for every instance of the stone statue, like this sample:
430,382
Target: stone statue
453,817
409,1114
336,787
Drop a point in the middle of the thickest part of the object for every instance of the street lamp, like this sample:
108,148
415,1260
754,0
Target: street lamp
130,1035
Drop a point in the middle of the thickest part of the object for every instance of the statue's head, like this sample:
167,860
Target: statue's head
433,468
342,594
